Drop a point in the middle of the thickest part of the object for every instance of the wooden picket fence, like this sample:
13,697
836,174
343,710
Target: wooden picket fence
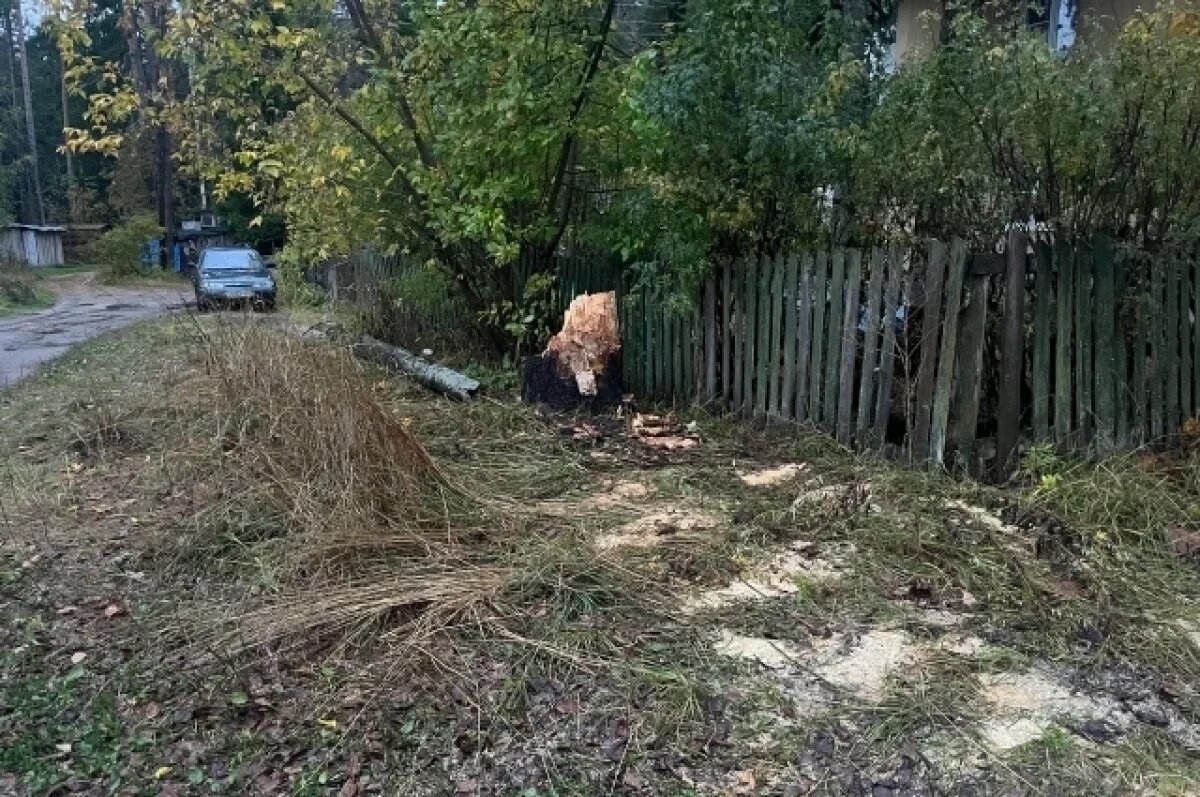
933,351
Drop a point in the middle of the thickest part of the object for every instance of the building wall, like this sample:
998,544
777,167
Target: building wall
1096,23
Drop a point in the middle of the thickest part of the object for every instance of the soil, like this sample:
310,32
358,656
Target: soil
837,628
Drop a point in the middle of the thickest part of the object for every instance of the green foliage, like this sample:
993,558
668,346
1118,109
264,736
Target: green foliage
19,292
118,251
741,123
995,126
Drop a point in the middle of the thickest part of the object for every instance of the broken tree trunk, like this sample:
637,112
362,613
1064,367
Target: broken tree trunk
435,377
582,363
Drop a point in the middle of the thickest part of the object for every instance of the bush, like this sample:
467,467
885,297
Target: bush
118,252
17,288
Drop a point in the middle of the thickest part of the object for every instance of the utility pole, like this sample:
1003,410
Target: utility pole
30,134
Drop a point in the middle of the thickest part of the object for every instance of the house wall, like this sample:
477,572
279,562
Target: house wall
1096,23
917,23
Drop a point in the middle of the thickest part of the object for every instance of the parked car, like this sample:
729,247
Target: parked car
233,276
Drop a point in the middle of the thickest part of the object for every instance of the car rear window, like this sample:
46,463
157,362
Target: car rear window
231,259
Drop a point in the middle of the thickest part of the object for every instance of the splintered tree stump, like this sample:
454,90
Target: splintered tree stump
581,366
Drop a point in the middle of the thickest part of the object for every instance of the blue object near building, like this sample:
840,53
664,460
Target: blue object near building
150,253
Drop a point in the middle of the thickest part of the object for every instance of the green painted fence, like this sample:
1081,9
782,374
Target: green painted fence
935,353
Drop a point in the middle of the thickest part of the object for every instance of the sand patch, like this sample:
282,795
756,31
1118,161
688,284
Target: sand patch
962,645
801,561
772,476
655,528
865,667
1030,702
774,654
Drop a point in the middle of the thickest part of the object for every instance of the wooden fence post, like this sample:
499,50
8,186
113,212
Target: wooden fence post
1012,358
833,352
1043,328
710,339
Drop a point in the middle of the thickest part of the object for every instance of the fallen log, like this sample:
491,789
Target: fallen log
433,376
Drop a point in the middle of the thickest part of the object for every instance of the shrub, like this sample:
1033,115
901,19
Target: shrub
118,251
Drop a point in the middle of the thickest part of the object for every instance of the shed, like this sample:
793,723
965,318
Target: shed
34,245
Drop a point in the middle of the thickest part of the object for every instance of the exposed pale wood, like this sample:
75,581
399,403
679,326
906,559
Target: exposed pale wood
791,287
972,325
940,421
1043,331
433,376
931,327
850,316
833,344
804,336
1012,353
1063,341
1105,319
774,377
870,359
816,371
887,348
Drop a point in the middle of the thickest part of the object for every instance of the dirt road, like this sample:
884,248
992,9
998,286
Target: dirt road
84,310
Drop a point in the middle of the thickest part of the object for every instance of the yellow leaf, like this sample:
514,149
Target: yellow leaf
162,772
340,153
328,723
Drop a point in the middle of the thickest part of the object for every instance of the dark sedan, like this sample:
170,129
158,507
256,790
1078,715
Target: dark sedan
233,276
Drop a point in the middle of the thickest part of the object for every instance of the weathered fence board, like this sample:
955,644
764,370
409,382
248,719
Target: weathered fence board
804,336
1084,408
1063,341
787,388
887,358
778,305
1043,333
1106,345
1012,354
819,330
972,324
833,350
931,325
940,421
850,318
1158,344
870,365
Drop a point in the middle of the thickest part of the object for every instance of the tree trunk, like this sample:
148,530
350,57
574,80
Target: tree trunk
30,133
72,199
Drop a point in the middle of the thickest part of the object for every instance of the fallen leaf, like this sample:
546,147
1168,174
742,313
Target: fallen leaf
633,780
466,786
746,782
78,656
1185,543
112,610
162,772
67,610
63,747
331,724
1068,588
